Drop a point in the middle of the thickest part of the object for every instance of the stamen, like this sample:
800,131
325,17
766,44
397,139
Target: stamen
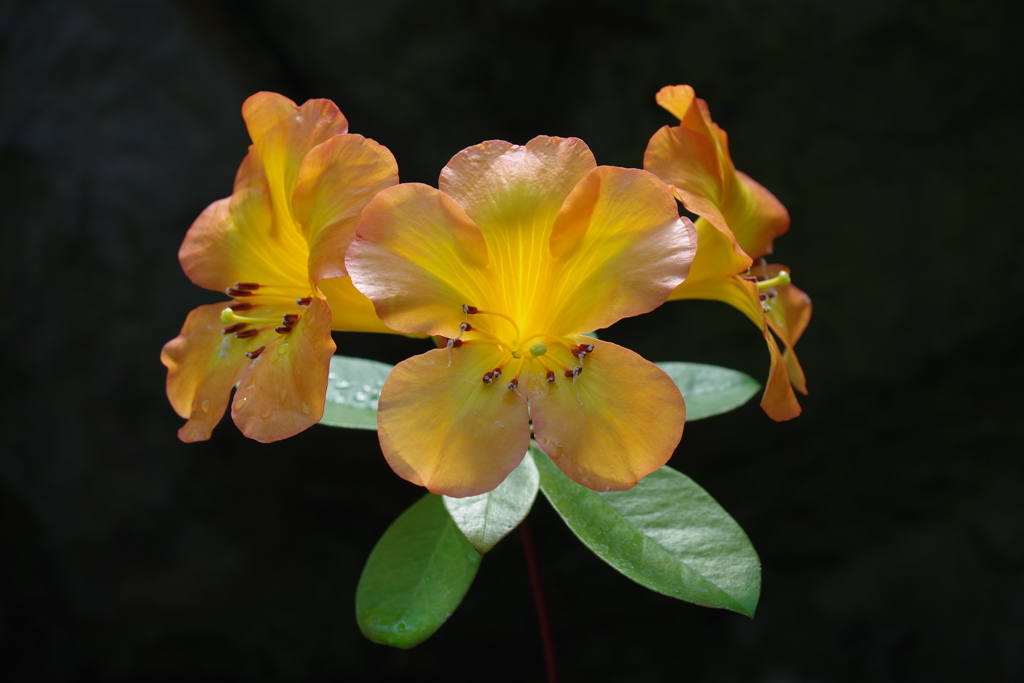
466,327
256,353
514,384
283,329
304,301
234,328
551,376
289,318
761,296
496,373
781,279
469,310
248,286
235,293
240,307
588,348
488,378
246,333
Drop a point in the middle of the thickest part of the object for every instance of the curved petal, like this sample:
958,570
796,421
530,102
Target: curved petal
202,367
509,190
336,180
419,259
283,134
714,274
282,391
620,248
754,215
234,240
779,401
441,427
350,310
621,421
694,158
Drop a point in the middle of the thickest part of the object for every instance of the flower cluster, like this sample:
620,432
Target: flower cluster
517,255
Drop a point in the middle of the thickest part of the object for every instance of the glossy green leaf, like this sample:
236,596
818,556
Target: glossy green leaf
592,335
489,517
709,389
666,533
353,388
415,577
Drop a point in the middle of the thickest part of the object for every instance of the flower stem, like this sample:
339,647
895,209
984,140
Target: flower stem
530,550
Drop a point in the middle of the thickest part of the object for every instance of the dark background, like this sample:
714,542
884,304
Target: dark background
888,517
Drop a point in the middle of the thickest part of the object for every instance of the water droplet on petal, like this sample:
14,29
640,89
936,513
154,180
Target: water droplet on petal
265,414
306,409
206,405
283,348
237,405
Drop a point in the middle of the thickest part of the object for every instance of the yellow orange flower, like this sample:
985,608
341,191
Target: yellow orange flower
520,252
739,220
276,246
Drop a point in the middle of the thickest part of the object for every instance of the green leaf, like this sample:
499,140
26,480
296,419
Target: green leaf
415,577
353,388
666,533
488,518
710,390
592,335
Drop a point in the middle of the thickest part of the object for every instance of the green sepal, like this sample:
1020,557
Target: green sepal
489,517
416,576
353,387
709,389
666,533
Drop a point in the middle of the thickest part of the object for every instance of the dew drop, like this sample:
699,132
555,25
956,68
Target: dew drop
237,405
283,395
343,384
360,396
205,405
265,414
283,348
306,409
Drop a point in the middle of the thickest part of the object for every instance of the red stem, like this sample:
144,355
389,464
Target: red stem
526,533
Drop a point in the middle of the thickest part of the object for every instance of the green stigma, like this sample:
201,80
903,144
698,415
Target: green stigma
538,349
781,279
227,316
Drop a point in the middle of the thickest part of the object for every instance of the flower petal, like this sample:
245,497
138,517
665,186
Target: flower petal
694,158
419,259
441,427
510,191
779,401
620,249
282,391
202,366
336,180
629,423
283,134
350,310
234,239
714,273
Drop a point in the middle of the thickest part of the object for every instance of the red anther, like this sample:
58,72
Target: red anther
250,286
456,342
234,328
488,378
304,301
283,329
551,376
589,348
514,383
496,372
289,318
240,307
246,333
576,352
235,293
469,310
466,327
568,373
577,371
762,296
256,353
